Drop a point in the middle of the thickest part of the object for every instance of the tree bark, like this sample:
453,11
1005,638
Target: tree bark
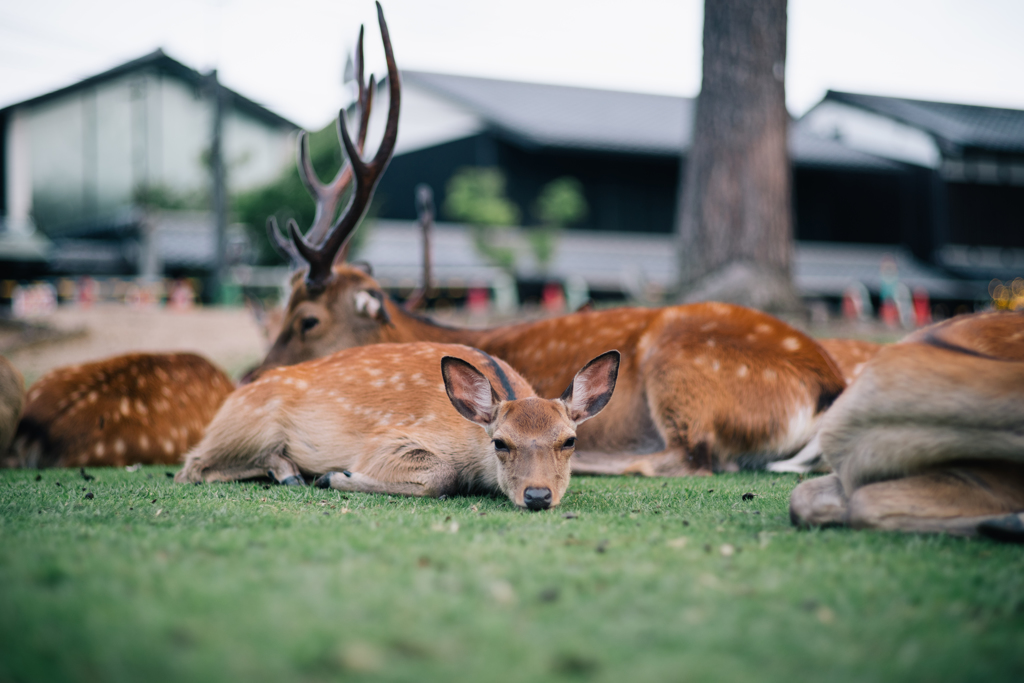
734,220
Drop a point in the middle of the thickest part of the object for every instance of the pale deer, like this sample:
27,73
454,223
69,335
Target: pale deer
702,387
931,435
12,398
136,408
411,419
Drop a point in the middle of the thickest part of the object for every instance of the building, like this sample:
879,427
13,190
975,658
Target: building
88,164
866,183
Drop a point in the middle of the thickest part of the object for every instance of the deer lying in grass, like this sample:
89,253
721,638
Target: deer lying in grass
702,387
410,419
931,435
137,408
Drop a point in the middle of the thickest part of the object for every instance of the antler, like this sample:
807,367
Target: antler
321,255
425,209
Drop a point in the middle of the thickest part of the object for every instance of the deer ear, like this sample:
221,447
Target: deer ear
468,390
370,304
592,387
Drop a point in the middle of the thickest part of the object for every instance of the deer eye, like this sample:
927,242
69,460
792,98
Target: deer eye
500,446
308,323
570,442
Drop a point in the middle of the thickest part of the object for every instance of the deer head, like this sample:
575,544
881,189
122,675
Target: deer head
533,438
328,296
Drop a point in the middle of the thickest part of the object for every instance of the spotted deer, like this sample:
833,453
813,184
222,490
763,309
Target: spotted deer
702,387
137,408
12,397
412,419
930,437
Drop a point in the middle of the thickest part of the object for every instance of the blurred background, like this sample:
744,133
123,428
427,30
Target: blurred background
144,144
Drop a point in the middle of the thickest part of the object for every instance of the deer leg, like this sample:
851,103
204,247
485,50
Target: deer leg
417,473
214,465
955,500
281,469
671,462
818,502
1009,528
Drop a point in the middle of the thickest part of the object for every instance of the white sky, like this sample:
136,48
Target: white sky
289,54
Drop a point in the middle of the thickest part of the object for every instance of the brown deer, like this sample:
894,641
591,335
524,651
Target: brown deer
12,397
850,355
931,435
702,387
136,408
410,419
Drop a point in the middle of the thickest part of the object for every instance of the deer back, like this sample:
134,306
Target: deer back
850,355
136,408
952,391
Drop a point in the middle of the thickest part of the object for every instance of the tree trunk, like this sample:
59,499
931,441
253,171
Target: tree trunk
734,220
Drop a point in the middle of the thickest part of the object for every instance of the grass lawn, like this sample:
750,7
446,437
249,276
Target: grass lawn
629,580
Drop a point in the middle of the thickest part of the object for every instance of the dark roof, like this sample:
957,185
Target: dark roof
539,115
159,61
956,126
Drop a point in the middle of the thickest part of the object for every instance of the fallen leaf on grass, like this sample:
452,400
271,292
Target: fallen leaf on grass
503,593
677,543
825,615
727,550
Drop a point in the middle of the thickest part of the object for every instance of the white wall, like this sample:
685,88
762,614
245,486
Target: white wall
872,133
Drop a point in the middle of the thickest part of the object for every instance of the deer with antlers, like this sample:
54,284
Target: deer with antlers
145,408
412,419
701,387
930,437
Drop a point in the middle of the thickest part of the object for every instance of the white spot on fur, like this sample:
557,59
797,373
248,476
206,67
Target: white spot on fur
715,365
790,343
99,448
144,442
770,375
301,384
168,446
119,447
711,342
742,371
125,407
763,328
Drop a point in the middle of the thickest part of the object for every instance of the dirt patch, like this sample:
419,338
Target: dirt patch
229,337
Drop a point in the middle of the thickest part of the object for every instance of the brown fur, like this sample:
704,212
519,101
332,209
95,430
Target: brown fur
702,387
379,419
850,355
136,408
12,398
931,436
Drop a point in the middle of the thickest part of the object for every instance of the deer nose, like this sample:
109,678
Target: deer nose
537,498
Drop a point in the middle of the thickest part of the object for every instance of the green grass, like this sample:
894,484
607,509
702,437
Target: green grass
152,581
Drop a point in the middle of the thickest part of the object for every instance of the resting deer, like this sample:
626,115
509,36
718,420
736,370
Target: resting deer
137,408
931,435
702,387
410,419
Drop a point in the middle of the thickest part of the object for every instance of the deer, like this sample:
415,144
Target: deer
701,387
147,408
419,419
930,437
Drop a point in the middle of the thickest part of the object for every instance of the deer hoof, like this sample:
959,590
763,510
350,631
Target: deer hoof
293,480
323,481
1009,528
